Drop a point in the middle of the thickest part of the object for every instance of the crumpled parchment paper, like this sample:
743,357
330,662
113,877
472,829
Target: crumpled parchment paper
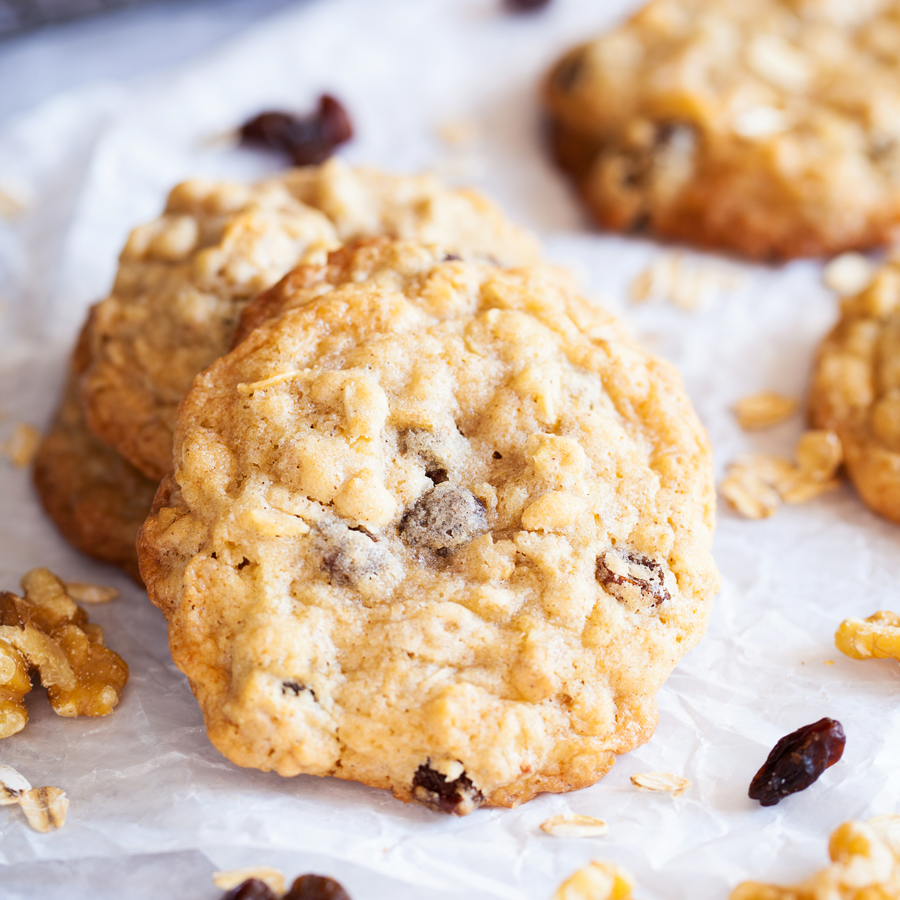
154,809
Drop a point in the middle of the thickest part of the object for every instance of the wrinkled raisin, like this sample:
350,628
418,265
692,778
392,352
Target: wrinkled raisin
526,5
643,572
457,797
445,518
797,760
295,689
251,889
308,140
316,887
350,557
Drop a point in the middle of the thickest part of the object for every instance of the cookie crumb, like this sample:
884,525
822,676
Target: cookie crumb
22,445
849,274
574,825
661,781
45,808
231,878
764,410
596,881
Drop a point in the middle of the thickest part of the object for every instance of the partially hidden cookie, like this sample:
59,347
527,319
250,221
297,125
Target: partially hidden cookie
770,128
436,526
184,279
96,499
855,389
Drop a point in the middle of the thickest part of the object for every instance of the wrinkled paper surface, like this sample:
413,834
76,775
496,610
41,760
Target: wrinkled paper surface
154,809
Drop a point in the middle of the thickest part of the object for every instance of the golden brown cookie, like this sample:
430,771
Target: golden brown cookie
184,279
96,499
436,526
771,128
855,389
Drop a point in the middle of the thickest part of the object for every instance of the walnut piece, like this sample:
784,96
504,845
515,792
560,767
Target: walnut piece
47,633
596,881
877,637
865,865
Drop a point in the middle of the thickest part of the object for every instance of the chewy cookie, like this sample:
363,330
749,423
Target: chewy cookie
184,279
771,128
855,389
436,526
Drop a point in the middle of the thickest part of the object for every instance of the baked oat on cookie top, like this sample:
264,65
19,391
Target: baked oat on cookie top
771,128
184,279
435,526
855,389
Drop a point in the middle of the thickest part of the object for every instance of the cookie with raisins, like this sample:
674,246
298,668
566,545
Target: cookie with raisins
769,128
436,526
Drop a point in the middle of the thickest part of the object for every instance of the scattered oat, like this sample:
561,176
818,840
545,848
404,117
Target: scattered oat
661,781
756,484
764,410
458,133
690,286
829,662
865,865
90,593
596,881
12,785
23,444
574,826
819,453
748,493
877,637
225,881
849,274
45,808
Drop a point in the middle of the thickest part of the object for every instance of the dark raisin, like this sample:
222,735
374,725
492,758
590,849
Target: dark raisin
797,760
349,556
643,572
526,5
316,887
251,889
458,797
295,688
497,454
438,476
451,257
308,140
445,518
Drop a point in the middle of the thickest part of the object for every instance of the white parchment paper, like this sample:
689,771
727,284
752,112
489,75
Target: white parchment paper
154,809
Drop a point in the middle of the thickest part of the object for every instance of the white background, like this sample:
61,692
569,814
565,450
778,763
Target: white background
154,809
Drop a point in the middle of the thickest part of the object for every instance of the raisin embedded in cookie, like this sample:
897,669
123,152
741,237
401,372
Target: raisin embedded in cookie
435,526
771,128
184,279
855,389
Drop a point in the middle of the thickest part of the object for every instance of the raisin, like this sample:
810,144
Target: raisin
445,518
308,140
295,688
649,577
797,760
526,5
316,887
458,797
438,476
350,557
251,889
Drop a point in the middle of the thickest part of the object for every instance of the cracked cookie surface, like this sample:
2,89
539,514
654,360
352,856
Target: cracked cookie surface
855,389
435,526
184,278
771,128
